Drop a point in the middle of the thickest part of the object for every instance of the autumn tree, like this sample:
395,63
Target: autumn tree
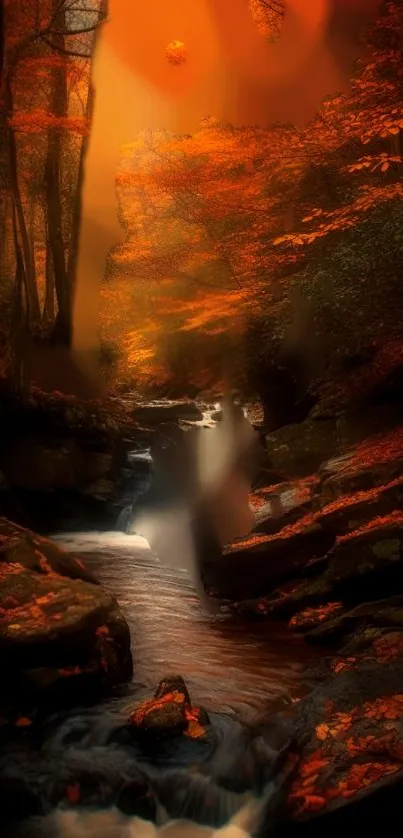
46,110
267,223
347,230
214,200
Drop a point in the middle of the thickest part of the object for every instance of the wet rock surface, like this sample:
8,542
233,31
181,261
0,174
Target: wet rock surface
66,462
95,757
60,632
254,565
152,415
348,598
169,714
327,557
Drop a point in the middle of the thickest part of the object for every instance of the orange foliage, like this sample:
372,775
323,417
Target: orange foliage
33,122
345,217
382,448
286,532
384,649
311,617
193,728
209,213
206,215
46,85
345,501
198,212
343,665
268,17
394,518
349,762
388,647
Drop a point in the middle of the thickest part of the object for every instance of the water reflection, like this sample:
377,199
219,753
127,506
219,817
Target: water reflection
228,665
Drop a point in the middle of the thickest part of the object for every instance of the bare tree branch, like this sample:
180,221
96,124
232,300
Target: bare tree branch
46,30
64,51
68,33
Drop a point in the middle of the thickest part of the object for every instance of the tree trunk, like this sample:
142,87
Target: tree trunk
2,42
18,326
3,236
76,220
77,209
31,222
49,304
31,291
58,107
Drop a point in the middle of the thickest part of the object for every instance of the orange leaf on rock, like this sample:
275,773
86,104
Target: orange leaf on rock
322,732
312,764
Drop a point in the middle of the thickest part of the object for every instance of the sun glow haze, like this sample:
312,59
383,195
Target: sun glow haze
231,72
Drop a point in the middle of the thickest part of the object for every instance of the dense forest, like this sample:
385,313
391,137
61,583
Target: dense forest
239,242
279,231
201,525
47,100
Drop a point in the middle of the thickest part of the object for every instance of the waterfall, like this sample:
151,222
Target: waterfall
124,518
136,479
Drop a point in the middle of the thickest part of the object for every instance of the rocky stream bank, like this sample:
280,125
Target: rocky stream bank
326,558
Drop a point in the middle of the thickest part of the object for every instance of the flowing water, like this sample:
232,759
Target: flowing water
229,665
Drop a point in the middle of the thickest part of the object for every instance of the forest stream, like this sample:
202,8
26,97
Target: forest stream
240,673
238,670
229,665
239,666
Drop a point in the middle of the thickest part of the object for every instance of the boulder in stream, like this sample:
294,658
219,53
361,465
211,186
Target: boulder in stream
169,714
60,632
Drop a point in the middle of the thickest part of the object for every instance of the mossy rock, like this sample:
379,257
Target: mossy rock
168,714
255,566
59,630
367,551
349,512
348,479
368,617
299,450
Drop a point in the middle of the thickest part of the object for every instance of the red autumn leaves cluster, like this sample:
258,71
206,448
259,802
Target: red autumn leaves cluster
356,749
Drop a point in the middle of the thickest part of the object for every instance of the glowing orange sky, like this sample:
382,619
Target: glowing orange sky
231,72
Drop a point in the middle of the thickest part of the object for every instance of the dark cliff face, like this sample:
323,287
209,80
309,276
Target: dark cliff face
59,460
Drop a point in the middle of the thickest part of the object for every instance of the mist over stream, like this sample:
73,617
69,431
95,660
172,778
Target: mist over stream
238,670
229,664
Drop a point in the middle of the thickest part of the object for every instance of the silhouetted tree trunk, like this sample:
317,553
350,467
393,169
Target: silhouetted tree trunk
18,325
3,235
2,43
49,304
58,107
31,222
77,208
28,267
